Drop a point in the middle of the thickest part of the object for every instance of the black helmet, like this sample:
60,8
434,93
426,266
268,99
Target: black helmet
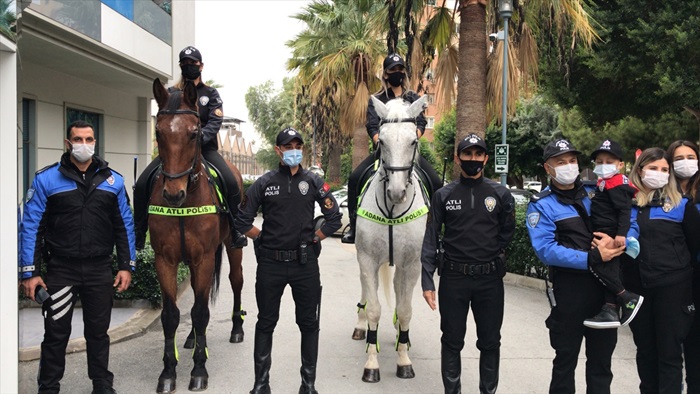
393,60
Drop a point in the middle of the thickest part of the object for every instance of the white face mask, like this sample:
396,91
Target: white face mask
82,152
566,174
654,179
605,171
685,168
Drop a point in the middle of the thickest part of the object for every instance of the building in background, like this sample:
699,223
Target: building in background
234,148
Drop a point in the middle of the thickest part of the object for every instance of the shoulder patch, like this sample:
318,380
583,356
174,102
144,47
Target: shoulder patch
30,194
324,189
533,218
47,167
218,112
540,195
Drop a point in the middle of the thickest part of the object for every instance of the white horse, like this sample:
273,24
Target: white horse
391,220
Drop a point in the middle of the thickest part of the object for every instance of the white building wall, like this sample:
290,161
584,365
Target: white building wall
8,217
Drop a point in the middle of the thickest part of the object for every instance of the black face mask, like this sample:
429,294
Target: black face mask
471,167
396,79
190,71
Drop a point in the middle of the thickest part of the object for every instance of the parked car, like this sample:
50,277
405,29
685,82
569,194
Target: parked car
341,196
521,196
533,185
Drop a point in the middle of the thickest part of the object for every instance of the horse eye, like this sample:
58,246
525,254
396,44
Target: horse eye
193,136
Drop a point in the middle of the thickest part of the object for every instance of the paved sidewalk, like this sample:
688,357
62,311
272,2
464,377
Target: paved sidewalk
526,356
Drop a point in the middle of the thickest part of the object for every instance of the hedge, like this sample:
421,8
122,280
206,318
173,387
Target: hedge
521,257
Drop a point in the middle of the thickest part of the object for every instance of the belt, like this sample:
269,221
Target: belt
279,255
471,269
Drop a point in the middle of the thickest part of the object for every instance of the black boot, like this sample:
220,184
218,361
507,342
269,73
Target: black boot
140,217
349,236
309,355
488,371
451,371
262,357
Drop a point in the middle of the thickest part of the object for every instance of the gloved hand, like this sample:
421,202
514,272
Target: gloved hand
257,242
316,243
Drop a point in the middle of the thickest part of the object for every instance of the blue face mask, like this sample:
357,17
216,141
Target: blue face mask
292,157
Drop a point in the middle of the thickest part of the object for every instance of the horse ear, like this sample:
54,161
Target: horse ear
379,107
417,106
160,93
190,95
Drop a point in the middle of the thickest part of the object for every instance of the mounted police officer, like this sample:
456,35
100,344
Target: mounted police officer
478,216
211,115
287,250
76,211
558,220
395,83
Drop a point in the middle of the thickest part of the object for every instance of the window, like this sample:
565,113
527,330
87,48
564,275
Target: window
431,122
431,99
95,119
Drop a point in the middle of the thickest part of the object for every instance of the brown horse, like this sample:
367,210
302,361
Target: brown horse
186,224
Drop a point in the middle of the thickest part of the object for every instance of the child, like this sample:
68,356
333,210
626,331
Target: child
610,214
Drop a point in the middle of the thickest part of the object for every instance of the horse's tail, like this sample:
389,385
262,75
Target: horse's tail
385,277
216,278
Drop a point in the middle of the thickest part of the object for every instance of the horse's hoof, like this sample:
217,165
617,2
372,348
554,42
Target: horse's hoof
236,337
166,386
198,383
189,343
405,371
359,334
370,375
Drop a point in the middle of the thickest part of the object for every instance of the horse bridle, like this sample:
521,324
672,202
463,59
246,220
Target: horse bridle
198,149
408,168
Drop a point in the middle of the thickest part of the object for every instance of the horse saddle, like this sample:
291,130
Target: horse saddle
213,175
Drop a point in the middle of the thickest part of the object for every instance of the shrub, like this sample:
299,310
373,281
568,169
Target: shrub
521,257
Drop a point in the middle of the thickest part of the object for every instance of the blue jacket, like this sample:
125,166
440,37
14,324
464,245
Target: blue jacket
560,228
668,239
76,216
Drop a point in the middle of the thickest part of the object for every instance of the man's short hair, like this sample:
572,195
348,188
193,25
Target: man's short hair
79,124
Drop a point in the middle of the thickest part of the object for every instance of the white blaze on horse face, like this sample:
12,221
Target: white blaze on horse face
398,147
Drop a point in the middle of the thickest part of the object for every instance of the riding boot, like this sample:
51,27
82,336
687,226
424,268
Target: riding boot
262,357
309,355
140,217
488,371
451,371
349,236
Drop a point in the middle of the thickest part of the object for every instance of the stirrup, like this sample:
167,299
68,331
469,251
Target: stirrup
349,236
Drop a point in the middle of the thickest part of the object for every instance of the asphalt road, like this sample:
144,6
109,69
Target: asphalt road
525,353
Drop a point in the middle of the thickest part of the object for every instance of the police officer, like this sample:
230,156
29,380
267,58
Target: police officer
287,250
211,115
558,220
478,216
395,83
75,213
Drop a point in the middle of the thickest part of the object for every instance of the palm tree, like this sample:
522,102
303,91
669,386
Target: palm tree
479,97
336,56
7,19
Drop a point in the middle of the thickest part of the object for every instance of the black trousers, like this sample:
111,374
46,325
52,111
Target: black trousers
579,296
271,279
485,295
354,178
609,274
659,329
67,279
691,345
141,192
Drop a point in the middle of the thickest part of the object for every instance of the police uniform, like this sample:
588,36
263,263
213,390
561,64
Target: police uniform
287,253
559,225
479,222
691,345
71,222
662,273
211,116
372,125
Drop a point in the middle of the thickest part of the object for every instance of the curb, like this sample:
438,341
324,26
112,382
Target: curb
136,326
524,281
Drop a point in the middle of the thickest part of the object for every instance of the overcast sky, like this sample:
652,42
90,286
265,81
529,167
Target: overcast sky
243,44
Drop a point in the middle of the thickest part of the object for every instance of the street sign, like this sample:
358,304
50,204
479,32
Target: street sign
501,158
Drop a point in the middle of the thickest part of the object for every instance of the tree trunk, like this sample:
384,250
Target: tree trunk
360,145
334,152
471,84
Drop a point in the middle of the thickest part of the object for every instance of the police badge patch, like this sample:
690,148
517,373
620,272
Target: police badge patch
30,194
490,203
533,218
667,205
328,203
110,180
204,100
591,194
303,187
219,112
